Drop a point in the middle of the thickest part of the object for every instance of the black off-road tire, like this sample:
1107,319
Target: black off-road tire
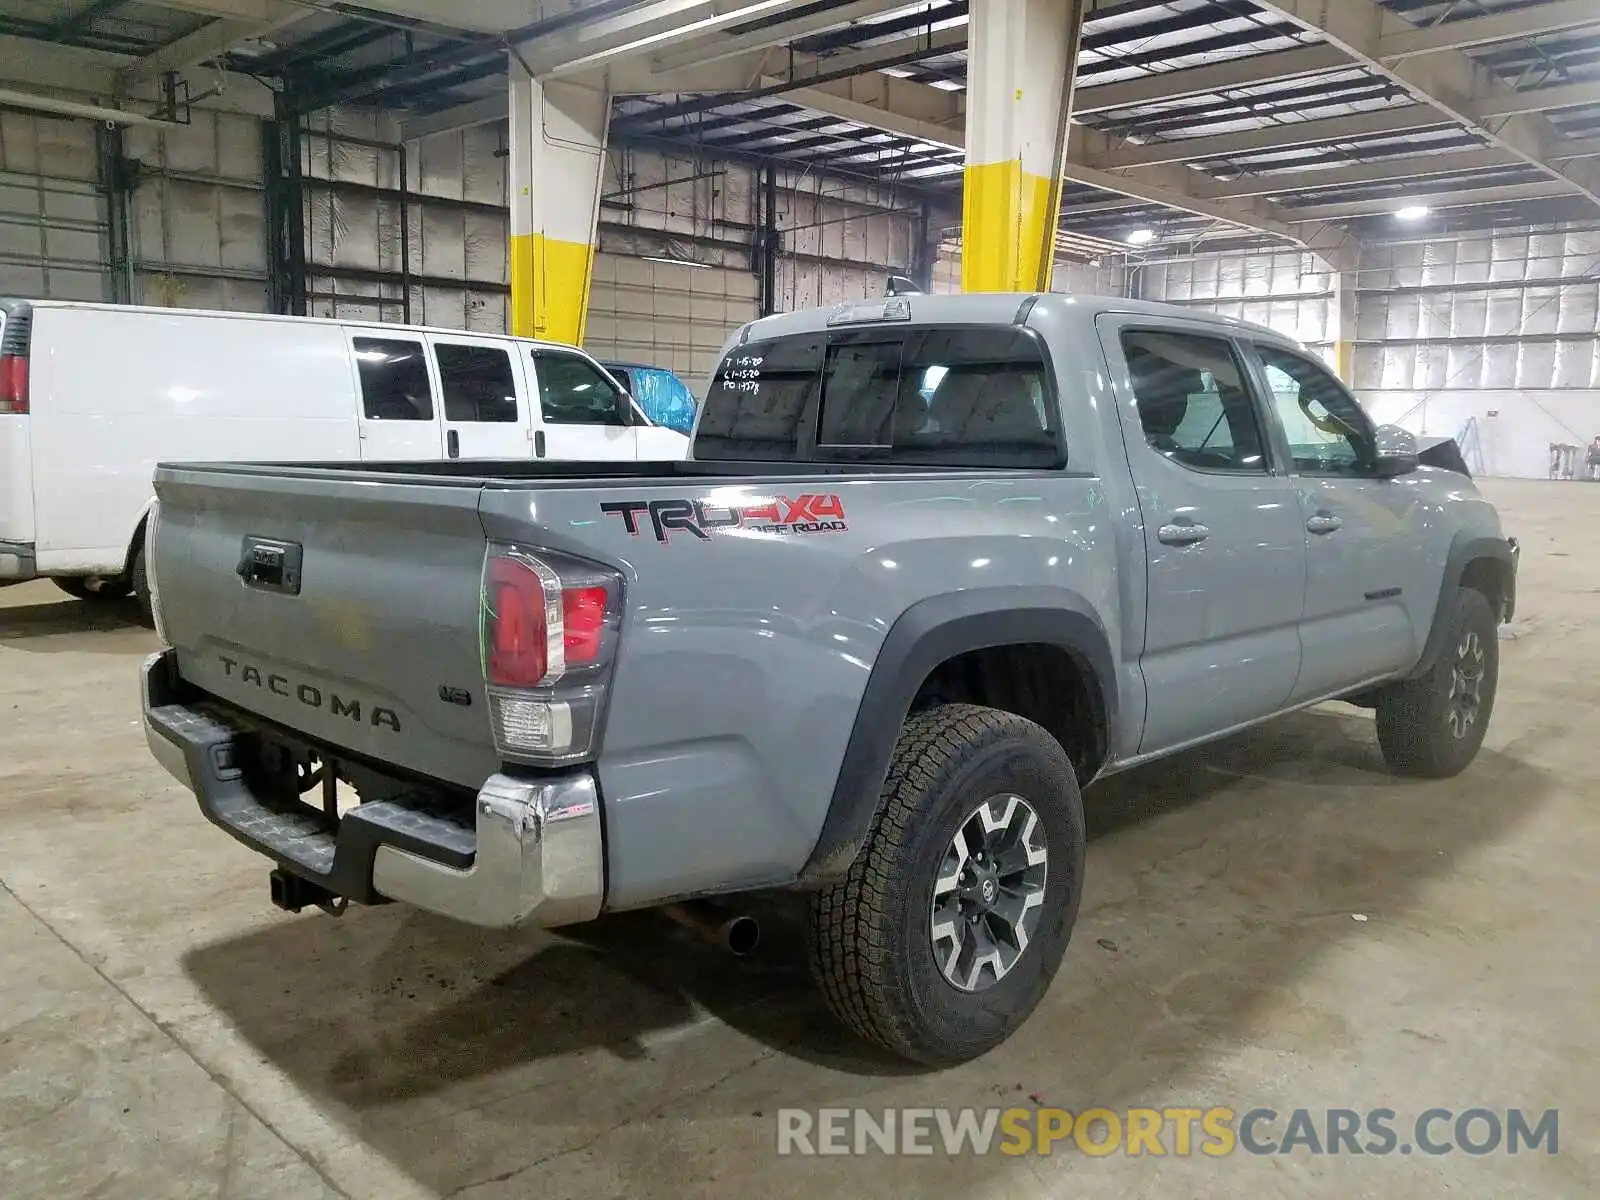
141,589
97,589
1416,731
872,948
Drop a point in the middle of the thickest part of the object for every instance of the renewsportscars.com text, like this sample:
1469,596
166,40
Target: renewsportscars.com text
1214,1132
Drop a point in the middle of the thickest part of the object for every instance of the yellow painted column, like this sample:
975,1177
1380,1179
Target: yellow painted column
558,148
1021,59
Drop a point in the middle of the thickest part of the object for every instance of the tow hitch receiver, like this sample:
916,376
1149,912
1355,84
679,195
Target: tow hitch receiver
292,893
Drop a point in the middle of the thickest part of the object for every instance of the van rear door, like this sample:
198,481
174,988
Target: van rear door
16,453
399,414
484,399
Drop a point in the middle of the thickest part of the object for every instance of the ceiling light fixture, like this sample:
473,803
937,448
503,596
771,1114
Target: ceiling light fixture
1413,212
675,262
1141,236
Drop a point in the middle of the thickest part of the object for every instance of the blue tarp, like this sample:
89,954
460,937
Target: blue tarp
665,398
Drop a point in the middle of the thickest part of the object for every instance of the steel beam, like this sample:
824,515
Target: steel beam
1453,83
1540,99
1254,69
1354,126
463,116
1516,25
1463,197
1576,148
707,48
1410,166
77,22
646,28
1172,187
211,41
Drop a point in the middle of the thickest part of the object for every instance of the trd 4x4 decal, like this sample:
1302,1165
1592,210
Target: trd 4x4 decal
804,514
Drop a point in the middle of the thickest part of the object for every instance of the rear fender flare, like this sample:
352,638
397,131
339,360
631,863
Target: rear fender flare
926,635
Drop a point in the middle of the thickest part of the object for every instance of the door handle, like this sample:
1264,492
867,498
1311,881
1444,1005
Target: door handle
452,441
1321,523
1185,533
538,444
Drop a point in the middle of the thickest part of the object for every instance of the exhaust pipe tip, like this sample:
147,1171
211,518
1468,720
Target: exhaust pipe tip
738,933
741,935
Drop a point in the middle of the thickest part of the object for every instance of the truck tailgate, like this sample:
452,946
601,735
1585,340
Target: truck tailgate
373,647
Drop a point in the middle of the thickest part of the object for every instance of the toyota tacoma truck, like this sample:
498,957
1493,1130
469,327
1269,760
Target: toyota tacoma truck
936,564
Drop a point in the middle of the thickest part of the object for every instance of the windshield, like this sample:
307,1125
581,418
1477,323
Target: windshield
942,395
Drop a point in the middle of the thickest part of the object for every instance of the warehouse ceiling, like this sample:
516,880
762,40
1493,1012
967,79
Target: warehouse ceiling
1195,120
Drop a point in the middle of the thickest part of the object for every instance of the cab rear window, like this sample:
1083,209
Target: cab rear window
937,395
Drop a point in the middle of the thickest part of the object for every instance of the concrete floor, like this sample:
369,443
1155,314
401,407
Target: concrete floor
167,1033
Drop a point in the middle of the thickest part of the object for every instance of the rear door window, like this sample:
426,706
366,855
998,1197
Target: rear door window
477,383
394,379
941,395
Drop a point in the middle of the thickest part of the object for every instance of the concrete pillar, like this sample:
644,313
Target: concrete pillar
1021,60
1342,316
558,149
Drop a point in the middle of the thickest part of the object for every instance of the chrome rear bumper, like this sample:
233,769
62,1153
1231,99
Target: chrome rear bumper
533,854
539,859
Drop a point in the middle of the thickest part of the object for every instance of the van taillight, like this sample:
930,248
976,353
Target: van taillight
13,383
549,629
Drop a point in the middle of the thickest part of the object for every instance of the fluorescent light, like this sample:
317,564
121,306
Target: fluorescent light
1413,212
1140,236
675,262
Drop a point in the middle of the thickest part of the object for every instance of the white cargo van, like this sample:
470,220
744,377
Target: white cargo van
92,396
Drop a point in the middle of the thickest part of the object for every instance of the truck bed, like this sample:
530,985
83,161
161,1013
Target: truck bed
479,472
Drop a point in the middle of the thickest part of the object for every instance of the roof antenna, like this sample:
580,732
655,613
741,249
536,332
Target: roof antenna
899,285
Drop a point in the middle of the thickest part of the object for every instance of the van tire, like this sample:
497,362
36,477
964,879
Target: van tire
875,948
141,589
1424,726
99,588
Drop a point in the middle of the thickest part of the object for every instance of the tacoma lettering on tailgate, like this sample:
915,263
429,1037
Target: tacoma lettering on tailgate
310,695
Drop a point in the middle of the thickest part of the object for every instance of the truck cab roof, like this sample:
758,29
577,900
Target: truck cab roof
985,308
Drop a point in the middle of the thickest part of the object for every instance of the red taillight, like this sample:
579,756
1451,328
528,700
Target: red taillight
13,383
518,619
550,626
538,625
584,619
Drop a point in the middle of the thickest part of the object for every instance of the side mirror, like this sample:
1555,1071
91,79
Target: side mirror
1396,452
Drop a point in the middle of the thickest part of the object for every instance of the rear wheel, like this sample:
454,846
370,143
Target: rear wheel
95,587
946,932
1432,726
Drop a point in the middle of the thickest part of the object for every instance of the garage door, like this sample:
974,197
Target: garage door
666,315
54,236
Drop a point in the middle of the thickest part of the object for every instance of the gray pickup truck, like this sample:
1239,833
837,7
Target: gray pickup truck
937,562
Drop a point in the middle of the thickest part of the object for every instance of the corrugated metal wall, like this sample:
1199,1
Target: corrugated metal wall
1492,339
54,232
450,191
196,214
1504,309
676,271
1085,279
1287,290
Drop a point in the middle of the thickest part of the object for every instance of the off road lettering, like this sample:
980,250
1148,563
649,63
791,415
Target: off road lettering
806,513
